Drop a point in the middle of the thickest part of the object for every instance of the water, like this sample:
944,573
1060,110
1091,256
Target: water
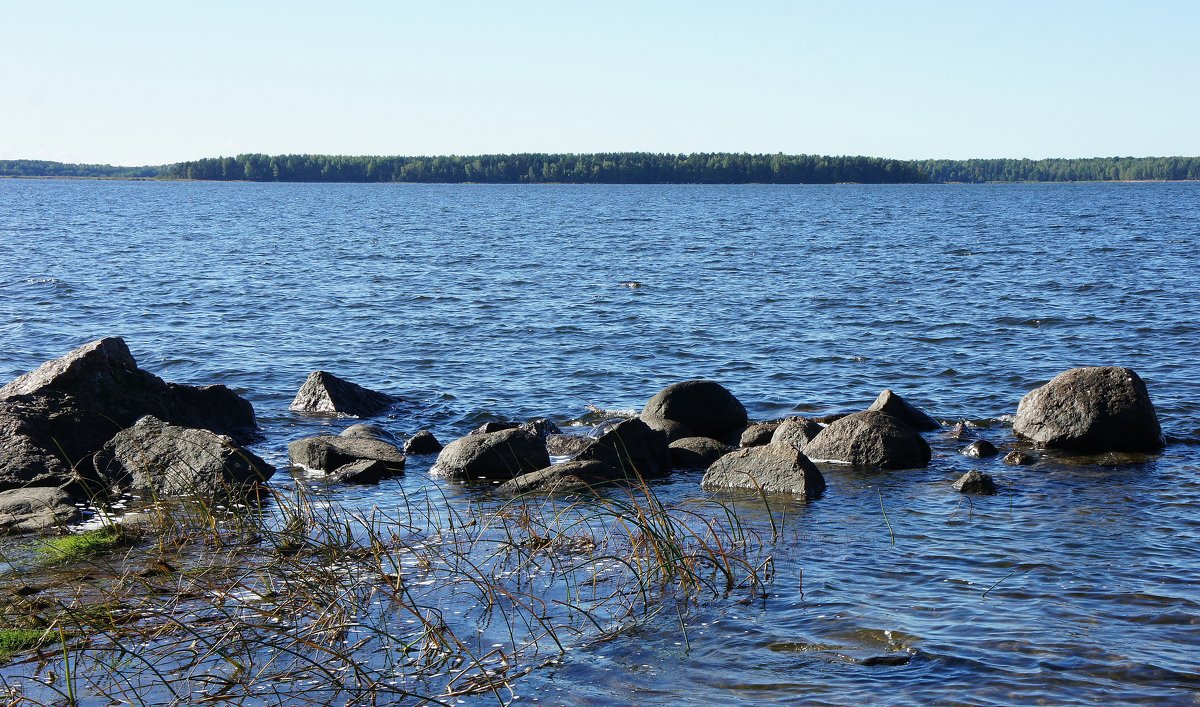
1074,584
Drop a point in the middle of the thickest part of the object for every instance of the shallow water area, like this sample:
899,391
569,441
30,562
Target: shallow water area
1074,584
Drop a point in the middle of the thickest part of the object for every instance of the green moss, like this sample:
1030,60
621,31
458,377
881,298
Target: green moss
72,548
15,640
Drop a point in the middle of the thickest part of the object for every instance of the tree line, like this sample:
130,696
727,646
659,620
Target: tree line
629,168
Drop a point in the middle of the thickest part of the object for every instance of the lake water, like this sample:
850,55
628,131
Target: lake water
1077,583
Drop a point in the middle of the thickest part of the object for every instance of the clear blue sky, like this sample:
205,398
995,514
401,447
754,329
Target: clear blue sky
163,81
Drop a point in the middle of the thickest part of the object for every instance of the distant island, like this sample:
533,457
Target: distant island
629,168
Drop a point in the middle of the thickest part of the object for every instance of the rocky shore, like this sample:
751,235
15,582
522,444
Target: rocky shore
91,424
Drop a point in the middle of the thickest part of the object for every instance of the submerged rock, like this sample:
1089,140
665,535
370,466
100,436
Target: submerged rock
493,455
329,453
1019,458
632,450
573,476
696,452
1091,410
166,460
904,411
422,442
772,468
870,439
328,394
36,509
796,431
758,435
561,445
705,407
979,449
975,482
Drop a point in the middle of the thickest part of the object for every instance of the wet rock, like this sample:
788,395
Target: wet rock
166,460
979,449
1091,410
363,471
870,439
541,427
904,411
325,393
566,445
64,411
758,435
422,442
494,455
632,449
670,429
570,476
796,431
1019,458
366,429
703,406
329,453
494,426
772,468
960,431
696,452
886,659
36,509
975,482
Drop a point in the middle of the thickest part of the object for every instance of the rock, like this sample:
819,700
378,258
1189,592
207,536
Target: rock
757,435
168,460
571,476
494,426
62,413
980,449
1091,410
541,427
329,454
1019,458
796,431
325,393
975,482
366,429
703,406
422,442
772,468
696,452
36,509
566,445
871,439
670,429
363,471
902,410
960,431
632,449
493,455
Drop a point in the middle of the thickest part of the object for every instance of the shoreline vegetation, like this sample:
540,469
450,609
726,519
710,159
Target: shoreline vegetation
626,168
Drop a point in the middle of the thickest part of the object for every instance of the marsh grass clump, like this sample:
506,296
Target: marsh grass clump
15,640
75,547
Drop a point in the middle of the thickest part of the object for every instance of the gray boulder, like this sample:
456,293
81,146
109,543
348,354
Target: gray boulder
796,431
573,476
366,429
566,445
979,449
422,442
696,452
325,393
705,407
36,509
329,453
772,468
758,435
493,455
363,471
168,460
632,449
1091,410
975,482
904,411
870,439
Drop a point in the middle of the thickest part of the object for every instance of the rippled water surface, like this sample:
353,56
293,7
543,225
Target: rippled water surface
1077,583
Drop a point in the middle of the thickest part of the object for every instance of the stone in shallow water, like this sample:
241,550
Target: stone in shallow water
328,453
696,452
872,439
979,449
422,442
1091,410
1019,458
758,435
771,468
975,482
494,455
904,411
326,393
796,431
705,407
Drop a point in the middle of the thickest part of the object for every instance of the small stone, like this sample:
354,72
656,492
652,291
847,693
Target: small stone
979,449
422,442
975,482
1019,458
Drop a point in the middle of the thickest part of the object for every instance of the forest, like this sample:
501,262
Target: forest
629,168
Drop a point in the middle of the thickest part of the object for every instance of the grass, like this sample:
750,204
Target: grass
66,549
17,640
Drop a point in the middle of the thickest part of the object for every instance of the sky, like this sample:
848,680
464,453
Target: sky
137,83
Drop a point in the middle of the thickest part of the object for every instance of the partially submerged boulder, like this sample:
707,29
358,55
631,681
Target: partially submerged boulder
758,435
696,452
1091,410
325,393
772,468
670,429
561,445
493,455
423,442
705,407
329,453
1019,457
979,449
168,460
975,482
796,431
36,509
541,427
366,429
567,477
870,439
632,449
904,411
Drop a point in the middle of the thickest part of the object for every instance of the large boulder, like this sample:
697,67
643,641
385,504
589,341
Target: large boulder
1091,410
870,439
632,449
771,468
696,452
493,455
36,509
705,407
904,411
60,414
325,393
168,460
340,457
796,431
